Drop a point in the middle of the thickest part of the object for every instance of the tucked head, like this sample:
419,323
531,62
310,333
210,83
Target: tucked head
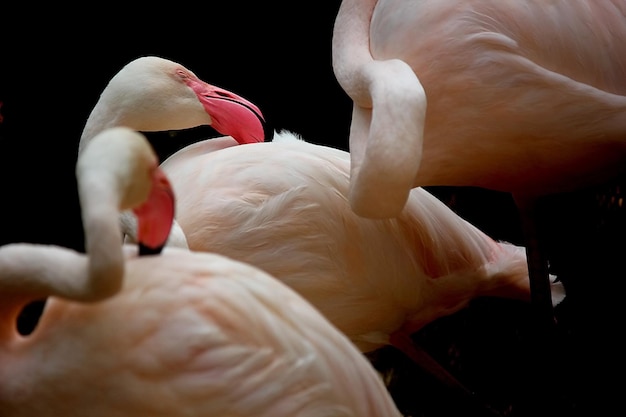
121,166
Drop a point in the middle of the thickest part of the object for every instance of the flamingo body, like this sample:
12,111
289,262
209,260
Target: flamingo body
184,334
189,334
283,207
527,97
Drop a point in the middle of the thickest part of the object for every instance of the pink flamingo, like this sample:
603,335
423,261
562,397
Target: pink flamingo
283,207
525,97
156,94
184,101
177,334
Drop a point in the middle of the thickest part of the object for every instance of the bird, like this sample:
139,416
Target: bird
152,94
526,97
177,333
336,292
103,191
283,207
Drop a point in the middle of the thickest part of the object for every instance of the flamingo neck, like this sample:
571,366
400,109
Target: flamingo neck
102,117
103,240
351,48
31,272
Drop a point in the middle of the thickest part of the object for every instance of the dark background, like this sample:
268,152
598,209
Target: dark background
55,62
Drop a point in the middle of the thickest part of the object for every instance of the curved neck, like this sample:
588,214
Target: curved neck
103,238
101,117
351,48
30,272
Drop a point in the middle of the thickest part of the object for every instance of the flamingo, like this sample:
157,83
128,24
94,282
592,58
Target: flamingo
435,273
184,101
283,207
525,97
152,94
180,333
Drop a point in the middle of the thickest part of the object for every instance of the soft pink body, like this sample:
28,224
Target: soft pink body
283,206
189,334
178,334
526,97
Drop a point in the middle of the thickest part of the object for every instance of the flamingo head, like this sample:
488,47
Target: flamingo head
153,94
120,169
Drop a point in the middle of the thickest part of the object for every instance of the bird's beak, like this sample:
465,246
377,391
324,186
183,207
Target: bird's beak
231,114
155,216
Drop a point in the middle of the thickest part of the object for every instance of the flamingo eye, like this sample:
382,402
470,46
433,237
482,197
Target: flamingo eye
182,74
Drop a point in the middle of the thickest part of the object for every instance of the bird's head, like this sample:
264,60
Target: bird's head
153,94
120,170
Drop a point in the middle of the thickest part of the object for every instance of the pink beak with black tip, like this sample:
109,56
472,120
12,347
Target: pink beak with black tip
231,114
155,216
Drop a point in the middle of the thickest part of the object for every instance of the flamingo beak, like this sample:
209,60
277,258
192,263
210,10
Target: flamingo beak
155,216
232,114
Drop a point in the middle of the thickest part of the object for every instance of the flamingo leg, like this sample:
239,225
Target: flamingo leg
540,292
404,343
542,344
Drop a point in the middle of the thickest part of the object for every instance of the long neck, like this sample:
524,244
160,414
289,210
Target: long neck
351,49
102,116
29,272
103,237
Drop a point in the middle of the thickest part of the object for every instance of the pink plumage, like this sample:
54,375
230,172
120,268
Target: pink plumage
526,97
185,334
283,207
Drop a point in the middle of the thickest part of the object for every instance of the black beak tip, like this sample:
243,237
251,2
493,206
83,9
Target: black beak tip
147,250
